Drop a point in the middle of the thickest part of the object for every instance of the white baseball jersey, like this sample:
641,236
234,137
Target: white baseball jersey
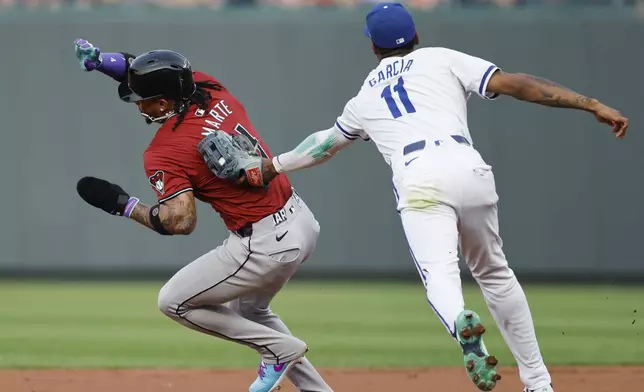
421,96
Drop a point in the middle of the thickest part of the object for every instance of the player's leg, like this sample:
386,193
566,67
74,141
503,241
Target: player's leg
481,246
430,198
256,307
433,242
427,197
299,235
195,297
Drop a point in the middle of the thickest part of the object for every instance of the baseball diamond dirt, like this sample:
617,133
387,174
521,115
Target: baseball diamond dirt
567,379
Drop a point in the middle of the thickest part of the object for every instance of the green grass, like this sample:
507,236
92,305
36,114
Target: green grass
345,324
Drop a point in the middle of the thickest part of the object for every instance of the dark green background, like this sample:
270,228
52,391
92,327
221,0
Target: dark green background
570,192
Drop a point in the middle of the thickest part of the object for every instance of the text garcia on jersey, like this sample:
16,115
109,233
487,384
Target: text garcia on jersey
393,69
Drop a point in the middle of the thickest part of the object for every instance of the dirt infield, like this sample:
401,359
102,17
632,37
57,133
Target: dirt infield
567,379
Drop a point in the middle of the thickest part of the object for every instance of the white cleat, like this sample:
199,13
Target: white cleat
544,389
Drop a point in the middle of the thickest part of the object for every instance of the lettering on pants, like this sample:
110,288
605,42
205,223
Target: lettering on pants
279,217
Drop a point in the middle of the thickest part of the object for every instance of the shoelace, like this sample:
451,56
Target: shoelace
261,371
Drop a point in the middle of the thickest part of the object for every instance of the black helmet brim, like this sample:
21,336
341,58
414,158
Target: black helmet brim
127,95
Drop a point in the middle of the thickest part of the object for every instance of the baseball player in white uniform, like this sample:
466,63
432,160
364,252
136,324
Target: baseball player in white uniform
413,107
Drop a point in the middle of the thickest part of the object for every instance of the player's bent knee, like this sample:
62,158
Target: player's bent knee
167,303
299,347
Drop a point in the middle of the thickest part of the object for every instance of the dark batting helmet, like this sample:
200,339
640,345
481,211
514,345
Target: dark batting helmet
160,74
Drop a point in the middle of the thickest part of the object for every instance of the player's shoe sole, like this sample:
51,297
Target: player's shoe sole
544,389
480,366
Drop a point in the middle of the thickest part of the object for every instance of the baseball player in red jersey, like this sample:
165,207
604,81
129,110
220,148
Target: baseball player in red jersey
272,231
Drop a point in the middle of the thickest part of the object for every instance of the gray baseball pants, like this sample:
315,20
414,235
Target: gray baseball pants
248,272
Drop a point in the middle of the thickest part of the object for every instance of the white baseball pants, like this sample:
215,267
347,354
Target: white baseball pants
447,199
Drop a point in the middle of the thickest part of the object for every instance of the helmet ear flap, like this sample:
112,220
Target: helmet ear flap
187,85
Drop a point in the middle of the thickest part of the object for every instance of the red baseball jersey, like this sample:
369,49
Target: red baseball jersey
174,165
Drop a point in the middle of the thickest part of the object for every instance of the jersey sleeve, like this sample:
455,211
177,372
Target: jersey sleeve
474,73
348,123
165,176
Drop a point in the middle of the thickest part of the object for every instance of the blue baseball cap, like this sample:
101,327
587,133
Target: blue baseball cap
390,26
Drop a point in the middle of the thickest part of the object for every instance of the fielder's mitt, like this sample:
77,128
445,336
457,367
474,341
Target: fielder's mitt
228,158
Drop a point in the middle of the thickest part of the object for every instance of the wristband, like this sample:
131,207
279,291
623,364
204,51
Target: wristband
156,220
277,165
129,207
115,65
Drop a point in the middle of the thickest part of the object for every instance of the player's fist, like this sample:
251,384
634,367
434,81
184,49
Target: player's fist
612,117
102,194
268,173
88,56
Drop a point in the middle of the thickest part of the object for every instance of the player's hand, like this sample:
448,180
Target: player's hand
228,160
88,56
612,117
109,197
268,173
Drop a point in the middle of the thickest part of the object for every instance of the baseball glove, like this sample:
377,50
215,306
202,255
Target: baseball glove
229,158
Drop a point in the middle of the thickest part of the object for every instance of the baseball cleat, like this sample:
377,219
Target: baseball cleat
269,377
480,366
544,389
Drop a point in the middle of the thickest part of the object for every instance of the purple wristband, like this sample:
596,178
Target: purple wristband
113,65
129,207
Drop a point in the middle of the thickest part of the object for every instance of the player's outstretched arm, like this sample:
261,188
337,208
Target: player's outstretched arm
316,148
545,92
90,58
175,216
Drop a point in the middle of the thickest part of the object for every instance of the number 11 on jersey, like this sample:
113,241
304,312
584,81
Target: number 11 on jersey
404,98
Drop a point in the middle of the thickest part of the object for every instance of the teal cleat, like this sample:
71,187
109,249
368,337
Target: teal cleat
480,366
269,377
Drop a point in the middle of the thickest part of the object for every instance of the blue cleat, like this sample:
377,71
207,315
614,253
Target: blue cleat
269,377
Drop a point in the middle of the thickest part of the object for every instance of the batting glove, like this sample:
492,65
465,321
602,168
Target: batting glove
88,56
109,197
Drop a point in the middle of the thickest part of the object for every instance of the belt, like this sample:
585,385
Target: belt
419,145
277,217
245,231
